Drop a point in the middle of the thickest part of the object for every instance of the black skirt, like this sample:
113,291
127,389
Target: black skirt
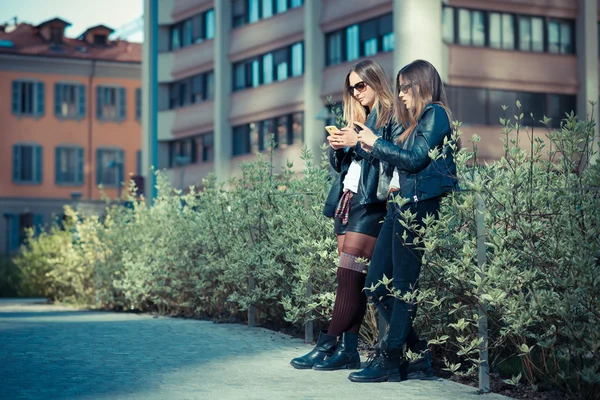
363,218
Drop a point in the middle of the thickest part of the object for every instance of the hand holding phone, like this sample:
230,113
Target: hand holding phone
332,129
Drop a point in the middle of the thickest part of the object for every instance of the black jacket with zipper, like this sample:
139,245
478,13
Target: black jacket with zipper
421,177
341,159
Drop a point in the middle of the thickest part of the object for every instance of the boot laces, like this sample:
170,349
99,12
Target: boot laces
374,359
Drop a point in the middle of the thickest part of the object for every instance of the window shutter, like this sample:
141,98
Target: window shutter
14,232
16,163
99,102
80,167
98,166
38,177
40,98
57,172
122,102
81,105
16,97
138,104
38,223
121,159
57,99
138,162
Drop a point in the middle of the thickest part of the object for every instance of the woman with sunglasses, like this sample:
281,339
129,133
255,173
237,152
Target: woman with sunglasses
421,106
357,210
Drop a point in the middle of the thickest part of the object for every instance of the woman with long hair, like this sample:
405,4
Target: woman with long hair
357,209
421,106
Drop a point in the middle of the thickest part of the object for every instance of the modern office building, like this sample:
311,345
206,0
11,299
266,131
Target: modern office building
70,111
231,73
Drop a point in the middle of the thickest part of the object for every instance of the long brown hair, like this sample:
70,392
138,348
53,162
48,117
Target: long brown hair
375,77
427,87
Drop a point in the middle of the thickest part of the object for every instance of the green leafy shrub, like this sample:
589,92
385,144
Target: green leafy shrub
263,242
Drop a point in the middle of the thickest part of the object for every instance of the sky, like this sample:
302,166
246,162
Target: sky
81,14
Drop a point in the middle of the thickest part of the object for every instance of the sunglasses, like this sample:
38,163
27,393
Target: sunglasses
404,88
360,86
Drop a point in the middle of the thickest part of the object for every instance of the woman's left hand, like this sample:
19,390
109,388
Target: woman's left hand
366,135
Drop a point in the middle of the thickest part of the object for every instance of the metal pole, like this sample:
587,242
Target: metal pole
251,308
8,218
150,99
119,183
309,325
484,367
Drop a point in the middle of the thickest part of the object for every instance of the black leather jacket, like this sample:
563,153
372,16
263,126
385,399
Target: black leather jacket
421,177
341,159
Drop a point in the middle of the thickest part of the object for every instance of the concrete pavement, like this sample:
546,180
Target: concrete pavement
56,352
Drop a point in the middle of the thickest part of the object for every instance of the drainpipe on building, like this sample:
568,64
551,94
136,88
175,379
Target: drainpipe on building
90,120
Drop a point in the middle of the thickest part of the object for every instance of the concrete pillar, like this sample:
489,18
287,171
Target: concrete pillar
587,63
418,34
314,62
150,96
223,78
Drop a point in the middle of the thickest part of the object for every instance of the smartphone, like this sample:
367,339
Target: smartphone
332,129
357,128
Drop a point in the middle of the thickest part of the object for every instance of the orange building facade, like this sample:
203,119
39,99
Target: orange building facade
70,112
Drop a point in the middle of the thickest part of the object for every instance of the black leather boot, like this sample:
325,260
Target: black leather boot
325,347
389,365
345,357
421,368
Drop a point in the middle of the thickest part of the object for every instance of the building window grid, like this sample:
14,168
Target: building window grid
277,65
246,12
530,32
255,137
363,39
192,90
192,30
490,102
197,149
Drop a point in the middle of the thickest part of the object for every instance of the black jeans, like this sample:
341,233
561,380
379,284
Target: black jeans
396,259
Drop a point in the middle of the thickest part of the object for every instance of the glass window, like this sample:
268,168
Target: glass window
255,143
253,11
368,37
297,59
478,28
255,73
268,68
267,133
495,31
566,41
448,24
497,99
352,43
281,6
553,37
241,140
210,24
186,38
280,58
295,3
175,42
508,31
334,48
468,104
210,85
238,12
198,92
525,33
267,8
285,136
240,76
464,27
537,34
298,127
558,105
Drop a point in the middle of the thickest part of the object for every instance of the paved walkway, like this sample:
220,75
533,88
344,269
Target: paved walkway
53,352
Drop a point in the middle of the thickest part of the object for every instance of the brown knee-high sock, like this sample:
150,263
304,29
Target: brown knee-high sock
350,302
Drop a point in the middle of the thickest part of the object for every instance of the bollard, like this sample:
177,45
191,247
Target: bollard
309,325
251,308
484,367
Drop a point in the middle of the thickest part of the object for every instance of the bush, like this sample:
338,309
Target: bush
263,242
